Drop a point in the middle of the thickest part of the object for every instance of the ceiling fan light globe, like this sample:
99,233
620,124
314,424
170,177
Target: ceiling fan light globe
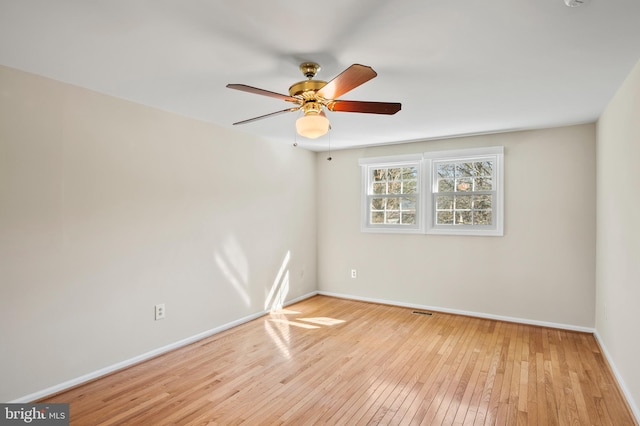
312,126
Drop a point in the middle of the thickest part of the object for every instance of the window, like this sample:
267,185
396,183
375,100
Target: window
462,193
391,200
465,192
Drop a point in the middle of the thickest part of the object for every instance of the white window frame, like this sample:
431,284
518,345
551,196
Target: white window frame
367,165
495,154
427,191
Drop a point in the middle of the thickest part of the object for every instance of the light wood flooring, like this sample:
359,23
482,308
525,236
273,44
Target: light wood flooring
339,362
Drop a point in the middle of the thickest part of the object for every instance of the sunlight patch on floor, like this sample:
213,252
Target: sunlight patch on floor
279,323
279,333
322,320
293,323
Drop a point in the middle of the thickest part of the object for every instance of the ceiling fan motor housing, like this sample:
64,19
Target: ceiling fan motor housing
299,88
307,90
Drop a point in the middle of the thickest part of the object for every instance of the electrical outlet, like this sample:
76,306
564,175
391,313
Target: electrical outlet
354,273
160,312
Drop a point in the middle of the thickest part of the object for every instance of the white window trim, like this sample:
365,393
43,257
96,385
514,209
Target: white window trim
496,153
390,161
425,214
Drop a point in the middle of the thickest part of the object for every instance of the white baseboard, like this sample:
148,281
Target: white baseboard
461,312
619,379
147,355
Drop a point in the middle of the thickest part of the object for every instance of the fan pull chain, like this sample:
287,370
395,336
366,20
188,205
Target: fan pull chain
329,158
295,135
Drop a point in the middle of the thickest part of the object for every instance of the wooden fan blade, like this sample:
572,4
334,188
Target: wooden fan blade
389,108
267,115
250,89
348,80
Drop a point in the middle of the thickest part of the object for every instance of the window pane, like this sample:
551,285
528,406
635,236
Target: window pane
409,173
393,217
395,187
380,188
377,204
444,218
395,174
393,204
463,202
377,217
408,204
464,169
444,202
482,217
445,170
463,218
483,184
483,168
464,184
482,202
379,175
445,185
409,218
409,187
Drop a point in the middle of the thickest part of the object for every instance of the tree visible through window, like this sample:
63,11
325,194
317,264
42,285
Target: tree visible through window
391,198
393,195
464,193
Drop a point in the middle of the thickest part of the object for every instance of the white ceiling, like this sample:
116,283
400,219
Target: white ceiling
457,67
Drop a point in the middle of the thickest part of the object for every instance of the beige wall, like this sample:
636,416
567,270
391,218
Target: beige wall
109,207
542,269
618,246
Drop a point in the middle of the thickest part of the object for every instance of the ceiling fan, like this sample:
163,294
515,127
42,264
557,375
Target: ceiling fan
313,96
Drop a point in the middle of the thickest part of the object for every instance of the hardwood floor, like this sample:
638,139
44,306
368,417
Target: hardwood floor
339,362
